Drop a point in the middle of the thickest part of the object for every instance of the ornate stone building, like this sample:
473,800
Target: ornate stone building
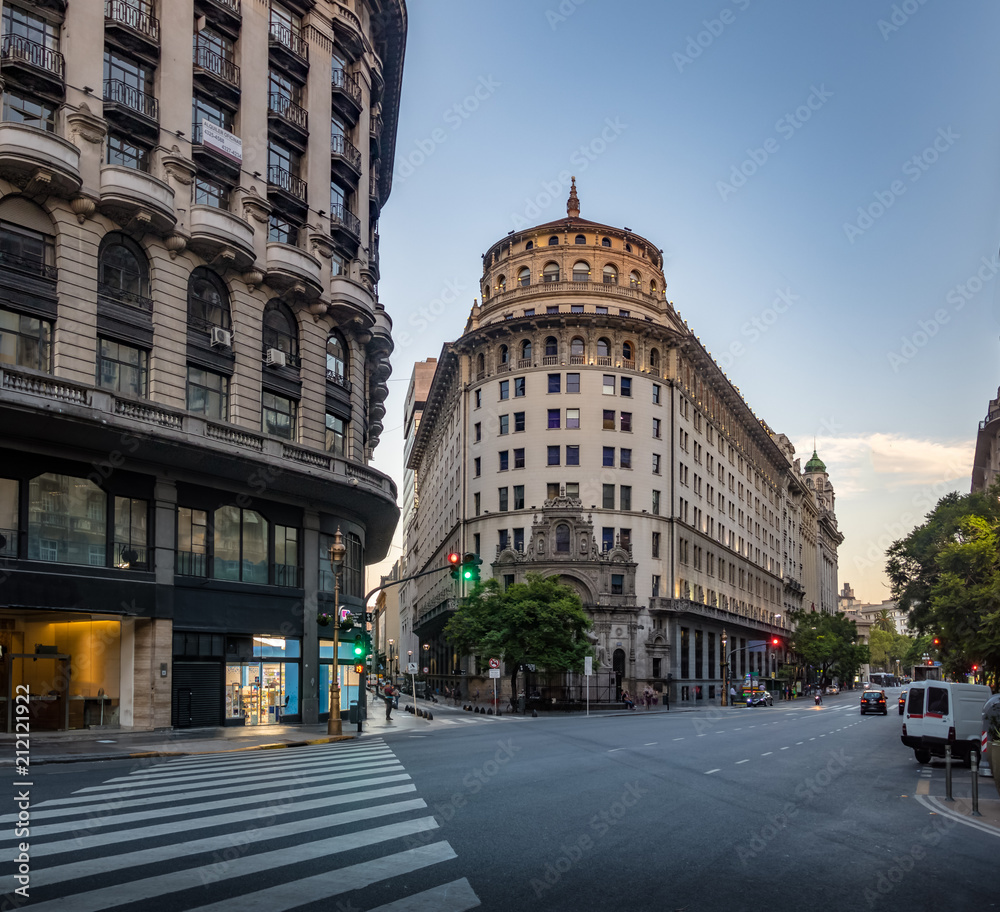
579,429
193,354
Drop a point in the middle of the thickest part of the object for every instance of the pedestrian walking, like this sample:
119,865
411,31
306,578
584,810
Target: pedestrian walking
732,695
647,697
387,695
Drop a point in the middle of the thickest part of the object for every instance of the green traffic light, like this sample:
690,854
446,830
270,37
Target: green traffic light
359,646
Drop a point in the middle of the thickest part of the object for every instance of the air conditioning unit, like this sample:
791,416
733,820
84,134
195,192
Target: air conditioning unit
275,357
221,338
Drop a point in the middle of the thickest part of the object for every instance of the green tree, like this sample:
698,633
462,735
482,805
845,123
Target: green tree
946,574
828,642
883,621
539,622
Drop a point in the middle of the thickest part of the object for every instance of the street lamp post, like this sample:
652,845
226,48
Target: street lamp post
337,551
392,673
427,650
725,671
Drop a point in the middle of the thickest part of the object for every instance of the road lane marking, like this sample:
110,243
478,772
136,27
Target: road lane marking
797,743
709,772
767,754
738,762
784,748
650,743
616,749
678,739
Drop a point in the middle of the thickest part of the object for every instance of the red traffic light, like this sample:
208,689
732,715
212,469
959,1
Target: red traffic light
775,641
454,557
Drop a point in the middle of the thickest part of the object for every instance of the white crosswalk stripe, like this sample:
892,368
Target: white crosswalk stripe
279,830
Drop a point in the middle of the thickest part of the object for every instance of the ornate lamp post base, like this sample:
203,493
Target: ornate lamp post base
333,725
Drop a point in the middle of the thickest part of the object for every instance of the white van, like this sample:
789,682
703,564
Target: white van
942,712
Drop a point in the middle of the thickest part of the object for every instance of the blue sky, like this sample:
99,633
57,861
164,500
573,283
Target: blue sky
823,178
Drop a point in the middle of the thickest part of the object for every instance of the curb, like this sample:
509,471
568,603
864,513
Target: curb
937,806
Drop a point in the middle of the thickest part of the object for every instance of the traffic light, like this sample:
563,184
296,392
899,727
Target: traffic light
455,559
937,642
359,669
359,646
470,568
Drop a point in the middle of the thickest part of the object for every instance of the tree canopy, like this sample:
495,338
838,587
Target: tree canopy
828,642
946,574
540,621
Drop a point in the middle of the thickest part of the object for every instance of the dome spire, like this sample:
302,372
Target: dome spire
573,203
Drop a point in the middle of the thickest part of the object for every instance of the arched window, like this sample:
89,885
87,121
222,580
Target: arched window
605,242
504,354
562,539
281,332
652,287
551,272
576,350
628,351
610,275
628,248
337,365
581,271
554,241
551,346
480,363
603,348
524,276
579,239
634,279
208,300
654,360
501,283
123,272
530,245
526,350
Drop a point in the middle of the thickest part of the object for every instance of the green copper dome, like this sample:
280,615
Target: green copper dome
815,464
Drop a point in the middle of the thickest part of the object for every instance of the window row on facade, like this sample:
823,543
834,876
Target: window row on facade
581,272
604,353
72,520
511,497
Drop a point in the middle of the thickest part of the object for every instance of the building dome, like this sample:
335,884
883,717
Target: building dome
815,464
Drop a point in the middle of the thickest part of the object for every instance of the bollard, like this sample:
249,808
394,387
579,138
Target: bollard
975,784
947,772
534,714
429,716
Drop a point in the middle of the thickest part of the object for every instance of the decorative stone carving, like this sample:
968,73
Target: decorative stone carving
253,278
83,207
175,243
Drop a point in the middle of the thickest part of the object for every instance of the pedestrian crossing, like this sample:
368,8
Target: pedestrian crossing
267,831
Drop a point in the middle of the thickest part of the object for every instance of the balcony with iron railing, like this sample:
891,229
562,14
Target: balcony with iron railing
28,265
288,113
346,92
341,218
133,23
130,99
287,182
211,62
284,39
343,151
128,298
43,62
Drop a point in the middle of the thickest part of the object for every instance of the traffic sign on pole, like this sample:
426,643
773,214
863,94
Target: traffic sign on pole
494,663
494,672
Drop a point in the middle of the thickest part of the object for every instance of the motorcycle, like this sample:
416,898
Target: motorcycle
819,699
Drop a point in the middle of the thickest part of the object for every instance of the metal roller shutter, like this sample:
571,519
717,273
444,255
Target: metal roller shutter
197,695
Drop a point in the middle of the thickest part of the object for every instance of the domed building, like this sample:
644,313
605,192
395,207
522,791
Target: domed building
579,429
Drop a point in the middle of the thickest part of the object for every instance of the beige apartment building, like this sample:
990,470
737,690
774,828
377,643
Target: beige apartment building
193,354
579,429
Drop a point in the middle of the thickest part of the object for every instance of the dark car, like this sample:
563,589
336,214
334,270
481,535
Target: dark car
874,701
902,702
762,698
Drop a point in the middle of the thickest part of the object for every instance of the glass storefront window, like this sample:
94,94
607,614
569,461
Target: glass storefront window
8,517
131,516
192,537
240,545
263,692
66,520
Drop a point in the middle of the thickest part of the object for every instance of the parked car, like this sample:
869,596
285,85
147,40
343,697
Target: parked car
874,701
939,713
902,702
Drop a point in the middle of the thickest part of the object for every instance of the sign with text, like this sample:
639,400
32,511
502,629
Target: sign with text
494,672
222,141
588,666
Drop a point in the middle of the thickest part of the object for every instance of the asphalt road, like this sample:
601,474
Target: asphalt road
779,808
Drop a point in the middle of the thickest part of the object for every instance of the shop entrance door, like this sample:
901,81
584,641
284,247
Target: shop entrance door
255,692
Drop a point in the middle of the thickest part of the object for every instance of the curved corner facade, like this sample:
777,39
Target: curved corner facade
193,355
579,429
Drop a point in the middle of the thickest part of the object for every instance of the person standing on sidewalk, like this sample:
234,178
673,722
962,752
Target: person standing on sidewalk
387,695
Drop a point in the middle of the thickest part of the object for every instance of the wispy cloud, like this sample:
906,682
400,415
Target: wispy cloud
879,462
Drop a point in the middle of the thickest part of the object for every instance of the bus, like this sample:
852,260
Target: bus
884,679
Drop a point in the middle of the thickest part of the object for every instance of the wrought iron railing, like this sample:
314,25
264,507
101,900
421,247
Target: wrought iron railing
339,379
15,47
287,110
347,83
128,556
129,298
289,39
191,563
213,62
285,180
119,92
340,215
122,13
343,147
28,264
8,542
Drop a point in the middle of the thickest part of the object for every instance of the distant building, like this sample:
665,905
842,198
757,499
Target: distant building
986,462
578,429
